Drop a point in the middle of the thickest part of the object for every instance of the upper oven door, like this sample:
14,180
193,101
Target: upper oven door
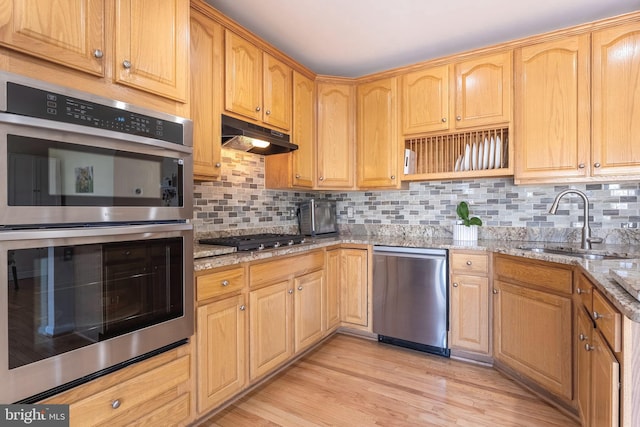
61,173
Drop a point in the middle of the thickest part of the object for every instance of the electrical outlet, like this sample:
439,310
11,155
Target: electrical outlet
350,212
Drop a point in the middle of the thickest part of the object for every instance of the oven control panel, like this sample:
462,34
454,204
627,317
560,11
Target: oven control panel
33,102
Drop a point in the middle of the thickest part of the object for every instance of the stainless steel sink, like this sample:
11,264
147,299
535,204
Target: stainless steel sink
573,252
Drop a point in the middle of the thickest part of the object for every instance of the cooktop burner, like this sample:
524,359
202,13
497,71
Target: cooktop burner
254,242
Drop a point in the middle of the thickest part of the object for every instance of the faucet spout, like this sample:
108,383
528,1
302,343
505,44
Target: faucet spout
587,240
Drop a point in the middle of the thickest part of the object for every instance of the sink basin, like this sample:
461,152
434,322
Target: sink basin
573,252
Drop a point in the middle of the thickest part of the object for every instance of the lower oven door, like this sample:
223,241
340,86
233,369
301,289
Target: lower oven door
77,301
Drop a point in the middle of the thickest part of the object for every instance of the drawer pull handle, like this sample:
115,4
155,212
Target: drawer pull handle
588,347
455,285
243,307
495,291
290,291
469,263
225,283
597,315
299,288
582,337
115,404
579,291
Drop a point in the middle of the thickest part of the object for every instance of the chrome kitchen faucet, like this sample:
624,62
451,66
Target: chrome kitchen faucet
587,240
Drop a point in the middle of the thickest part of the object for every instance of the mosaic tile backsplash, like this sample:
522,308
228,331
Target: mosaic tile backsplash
238,203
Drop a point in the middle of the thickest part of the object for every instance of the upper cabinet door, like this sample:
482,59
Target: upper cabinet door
336,136
304,98
152,45
377,134
552,104
277,93
483,91
243,77
67,32
616,101
425,100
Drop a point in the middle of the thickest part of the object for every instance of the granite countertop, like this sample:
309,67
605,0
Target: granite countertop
207,257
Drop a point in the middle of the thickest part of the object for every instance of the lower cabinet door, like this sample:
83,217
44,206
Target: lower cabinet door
353,278
583,342
533,336
308,309
221,336
470,313
270,327
605,380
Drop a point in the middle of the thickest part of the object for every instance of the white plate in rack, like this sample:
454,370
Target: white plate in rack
485,161
474,157
498,152
467,158
456,166
480,155
492,153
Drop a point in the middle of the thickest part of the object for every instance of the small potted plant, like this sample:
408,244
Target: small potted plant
466,227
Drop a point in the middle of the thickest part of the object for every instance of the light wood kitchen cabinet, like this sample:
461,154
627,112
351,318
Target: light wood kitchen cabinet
70,33
469,303
332,290
425,100
308,309
480,95
532,322
151,49
221,335
377,134
483,90
206,62
154,391
297,169
336,139
354,294
270,327
222,351
598,351
615,99
282,323
552,105
257,85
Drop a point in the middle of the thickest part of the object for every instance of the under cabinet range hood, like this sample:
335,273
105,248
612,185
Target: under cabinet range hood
245,136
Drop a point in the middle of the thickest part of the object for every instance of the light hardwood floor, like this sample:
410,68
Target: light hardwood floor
350,381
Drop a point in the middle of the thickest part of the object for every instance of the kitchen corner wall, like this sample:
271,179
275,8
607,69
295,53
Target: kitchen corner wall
239,203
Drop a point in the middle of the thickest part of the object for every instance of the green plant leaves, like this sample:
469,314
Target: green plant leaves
463,213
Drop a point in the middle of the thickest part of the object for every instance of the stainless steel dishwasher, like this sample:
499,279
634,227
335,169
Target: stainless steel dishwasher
411,298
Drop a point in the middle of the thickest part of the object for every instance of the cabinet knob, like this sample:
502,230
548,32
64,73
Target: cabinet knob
597,315
115,404
469,263
579,291
495,291
268,112
321,178
98,53
225,283
258,108
458,118
297,176
243,307
444,120
455,285
588,347
581,166
299,288
290,291
126,64
393,177
596,165
218,165
582,337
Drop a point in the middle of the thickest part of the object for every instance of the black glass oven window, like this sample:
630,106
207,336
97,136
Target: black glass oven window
49,173
67,297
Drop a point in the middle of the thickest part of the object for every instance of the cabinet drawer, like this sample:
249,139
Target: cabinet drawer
584,289
538,274
608,320
469,263
99,408
216,283
285,268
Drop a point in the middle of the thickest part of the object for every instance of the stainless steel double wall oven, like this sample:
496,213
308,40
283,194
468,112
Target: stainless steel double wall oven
96,248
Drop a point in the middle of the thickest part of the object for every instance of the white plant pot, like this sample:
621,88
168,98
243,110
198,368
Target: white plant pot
467,234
